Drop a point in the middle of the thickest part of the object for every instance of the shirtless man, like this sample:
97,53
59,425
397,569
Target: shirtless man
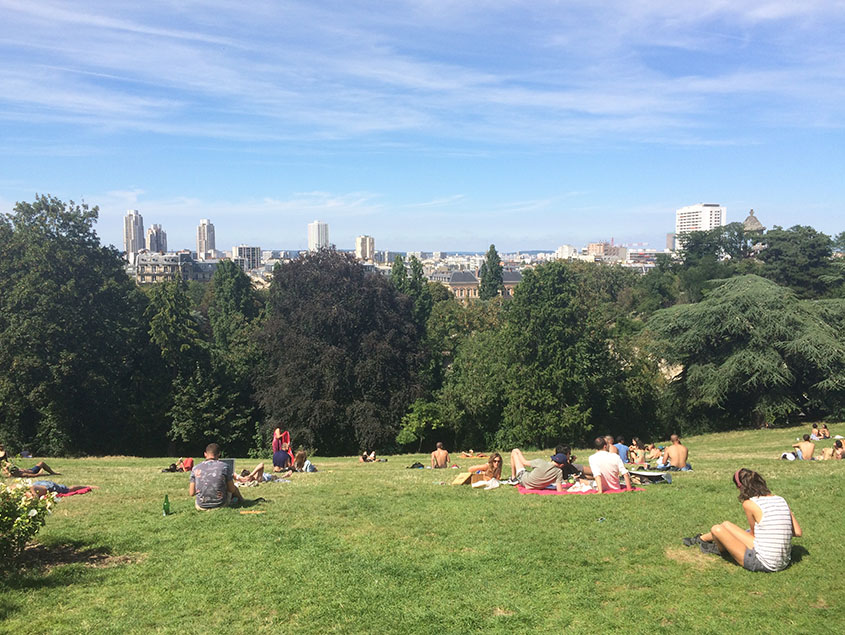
675,456
440,457
610,447
804,449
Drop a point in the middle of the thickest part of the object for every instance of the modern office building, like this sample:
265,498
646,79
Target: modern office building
701,217
249,257
365,248
205,239
133,233
156,239
318,235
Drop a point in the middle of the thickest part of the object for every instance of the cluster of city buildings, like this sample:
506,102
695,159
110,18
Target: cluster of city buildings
149,261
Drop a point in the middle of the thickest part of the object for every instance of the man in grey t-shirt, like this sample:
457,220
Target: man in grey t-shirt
212,483
545,473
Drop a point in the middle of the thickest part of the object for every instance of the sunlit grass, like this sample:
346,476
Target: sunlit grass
377,547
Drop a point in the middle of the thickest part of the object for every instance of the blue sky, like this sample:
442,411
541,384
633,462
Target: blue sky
428,124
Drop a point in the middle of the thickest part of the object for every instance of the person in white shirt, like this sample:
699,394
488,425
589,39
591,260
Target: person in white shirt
607,468
767,545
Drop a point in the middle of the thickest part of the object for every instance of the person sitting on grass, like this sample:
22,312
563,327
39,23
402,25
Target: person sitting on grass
824,432
653,453
10,470
675,456
621,449
545,473
40,488
804,449
440,457
814,432
767,545
834,452
636,453
212,483
302,464
487,471
607,468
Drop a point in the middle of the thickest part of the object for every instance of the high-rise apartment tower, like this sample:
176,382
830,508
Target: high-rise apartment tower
250,257
133,233
365,248
318,235
701,217
205,239
156,239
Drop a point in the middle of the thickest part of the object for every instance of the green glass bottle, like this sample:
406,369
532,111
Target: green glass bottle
165,509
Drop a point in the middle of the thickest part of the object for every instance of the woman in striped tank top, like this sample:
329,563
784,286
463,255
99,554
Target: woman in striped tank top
767,545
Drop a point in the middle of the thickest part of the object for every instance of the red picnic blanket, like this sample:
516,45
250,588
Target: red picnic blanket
525,490
84,490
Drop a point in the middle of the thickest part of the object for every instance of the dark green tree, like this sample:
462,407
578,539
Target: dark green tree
751,352
340,355
233,302
565,375
399,274
71,339
491,283
798,258
473,395
173,328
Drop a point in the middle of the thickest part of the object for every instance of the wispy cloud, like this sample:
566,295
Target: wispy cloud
447,70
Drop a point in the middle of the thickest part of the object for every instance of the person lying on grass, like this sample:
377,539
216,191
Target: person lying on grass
12,471
767,545
545,473
257,475
487,471
212,483
40,488
302,464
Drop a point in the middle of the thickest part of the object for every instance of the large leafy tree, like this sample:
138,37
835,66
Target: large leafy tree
71,338
751,351
798,258
340,354
491,283
565,377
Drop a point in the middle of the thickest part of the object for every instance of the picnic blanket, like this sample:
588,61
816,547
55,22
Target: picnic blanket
84,490
525,490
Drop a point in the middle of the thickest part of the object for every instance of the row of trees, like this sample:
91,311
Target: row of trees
744,329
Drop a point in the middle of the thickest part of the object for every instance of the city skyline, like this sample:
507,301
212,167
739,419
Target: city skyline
428,125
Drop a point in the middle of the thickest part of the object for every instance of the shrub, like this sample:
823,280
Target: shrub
21,516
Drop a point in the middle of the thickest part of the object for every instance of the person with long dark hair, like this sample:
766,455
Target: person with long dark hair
767,545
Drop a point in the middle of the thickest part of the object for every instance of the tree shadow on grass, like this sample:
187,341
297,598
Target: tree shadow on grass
42,565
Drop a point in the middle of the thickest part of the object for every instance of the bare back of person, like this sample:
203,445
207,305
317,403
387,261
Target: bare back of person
440,458
677,454
807,449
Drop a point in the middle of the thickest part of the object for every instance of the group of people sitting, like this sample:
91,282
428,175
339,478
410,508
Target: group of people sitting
214,485
805,449
605,468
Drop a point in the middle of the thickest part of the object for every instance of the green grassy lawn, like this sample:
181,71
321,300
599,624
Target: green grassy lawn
379,548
